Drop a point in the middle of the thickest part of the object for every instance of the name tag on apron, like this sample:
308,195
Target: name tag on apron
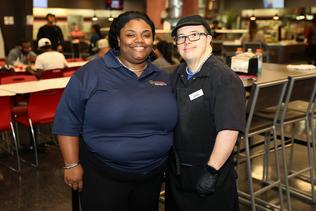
196,94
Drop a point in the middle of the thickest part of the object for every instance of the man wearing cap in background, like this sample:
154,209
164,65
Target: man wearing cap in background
211,105
49,59
103,48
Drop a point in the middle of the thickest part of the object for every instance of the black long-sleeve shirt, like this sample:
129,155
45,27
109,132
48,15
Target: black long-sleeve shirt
53,33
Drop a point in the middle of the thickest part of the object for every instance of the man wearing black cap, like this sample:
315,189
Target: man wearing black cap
211,107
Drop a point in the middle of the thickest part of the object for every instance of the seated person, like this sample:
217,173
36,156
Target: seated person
49,59
164,53
21,54
103,48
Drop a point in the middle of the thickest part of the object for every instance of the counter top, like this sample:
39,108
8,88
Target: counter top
282,43
274,72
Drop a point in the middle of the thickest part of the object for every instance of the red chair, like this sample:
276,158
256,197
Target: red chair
41,110
2,62
68,73
17,79
75,60
56,73
6,125
9,73
19,101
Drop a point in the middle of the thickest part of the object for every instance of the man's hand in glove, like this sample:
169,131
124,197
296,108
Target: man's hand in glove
207,182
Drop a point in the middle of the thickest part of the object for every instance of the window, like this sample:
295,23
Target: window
40,3
273,3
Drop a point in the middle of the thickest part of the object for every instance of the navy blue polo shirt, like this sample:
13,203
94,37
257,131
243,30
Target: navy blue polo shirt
127,121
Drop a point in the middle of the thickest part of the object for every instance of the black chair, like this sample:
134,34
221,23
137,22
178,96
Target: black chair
68,49
84,49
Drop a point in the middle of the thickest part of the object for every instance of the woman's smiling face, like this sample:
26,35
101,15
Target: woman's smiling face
135,41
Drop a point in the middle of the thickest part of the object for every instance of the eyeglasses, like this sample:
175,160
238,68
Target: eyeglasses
191,37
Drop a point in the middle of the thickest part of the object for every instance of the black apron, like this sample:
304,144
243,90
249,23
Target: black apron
194,141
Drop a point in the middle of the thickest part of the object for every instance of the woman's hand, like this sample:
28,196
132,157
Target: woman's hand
74,177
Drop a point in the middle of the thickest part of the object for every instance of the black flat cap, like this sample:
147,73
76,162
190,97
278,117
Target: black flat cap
191,21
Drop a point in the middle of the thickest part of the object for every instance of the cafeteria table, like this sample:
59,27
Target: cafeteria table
6,93
35,86
76,64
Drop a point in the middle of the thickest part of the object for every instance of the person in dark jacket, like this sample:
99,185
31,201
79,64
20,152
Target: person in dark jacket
122,108
51,31
95,37
211,106
310,42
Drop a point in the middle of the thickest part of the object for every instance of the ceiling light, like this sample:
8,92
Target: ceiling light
300,17
276,17
94,18
253,17
309,17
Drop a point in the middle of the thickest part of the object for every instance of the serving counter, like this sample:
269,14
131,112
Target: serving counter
286,52
274,72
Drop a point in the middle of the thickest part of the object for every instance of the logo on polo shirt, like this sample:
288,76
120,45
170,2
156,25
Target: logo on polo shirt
158,83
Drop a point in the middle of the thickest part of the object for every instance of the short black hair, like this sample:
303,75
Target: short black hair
50,14
97,29
119,22
46,47
24,41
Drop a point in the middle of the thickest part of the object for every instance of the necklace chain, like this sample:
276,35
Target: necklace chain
131,69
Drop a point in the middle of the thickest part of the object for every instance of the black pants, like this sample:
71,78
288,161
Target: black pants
76,50
225,197
109,191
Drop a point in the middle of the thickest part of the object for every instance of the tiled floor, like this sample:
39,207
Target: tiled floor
43,189
35,189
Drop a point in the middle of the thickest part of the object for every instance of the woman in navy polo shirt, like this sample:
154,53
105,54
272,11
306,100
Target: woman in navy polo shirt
115,120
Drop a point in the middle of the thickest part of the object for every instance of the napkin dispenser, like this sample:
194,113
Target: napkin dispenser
245,64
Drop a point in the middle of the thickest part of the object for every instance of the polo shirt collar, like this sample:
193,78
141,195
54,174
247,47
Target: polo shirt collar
205,69
111,60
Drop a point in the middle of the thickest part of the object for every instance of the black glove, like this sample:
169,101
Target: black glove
207,182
